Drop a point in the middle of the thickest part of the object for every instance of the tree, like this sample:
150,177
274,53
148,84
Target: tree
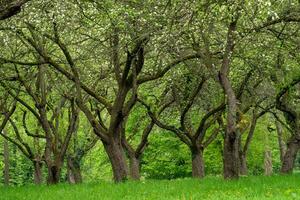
217,65
128,78
135,153
194,137
77,150
285,103
56,143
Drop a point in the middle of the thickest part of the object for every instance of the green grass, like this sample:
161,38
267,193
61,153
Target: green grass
259,188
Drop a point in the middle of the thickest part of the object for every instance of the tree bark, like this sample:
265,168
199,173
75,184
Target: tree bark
282,146
244,150
53,175
134,164
197,163
117,159
6,160
243,164
231,156
293,146
292,117
74,171
268,166
38,175
231,141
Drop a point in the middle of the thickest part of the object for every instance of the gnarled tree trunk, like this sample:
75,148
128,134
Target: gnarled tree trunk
53,174
38,175
282,146
231,142
74,171
197,163
293,146
117,159
134,165
268,166
243,150
243,164
231,156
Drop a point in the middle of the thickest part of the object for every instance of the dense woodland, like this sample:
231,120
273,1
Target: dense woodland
156,89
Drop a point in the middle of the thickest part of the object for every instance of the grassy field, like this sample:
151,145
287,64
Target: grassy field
259,188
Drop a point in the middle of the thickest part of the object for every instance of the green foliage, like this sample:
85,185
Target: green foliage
213,157
166,157
96,166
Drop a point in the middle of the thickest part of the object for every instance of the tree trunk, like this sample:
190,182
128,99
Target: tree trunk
268,166
117,159
197,163
6,160
134,164
38,175
70,175
290,155
53,175
231,141
243,164
244,149
74,171
282,146
231,156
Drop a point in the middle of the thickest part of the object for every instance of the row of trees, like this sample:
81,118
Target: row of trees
198,69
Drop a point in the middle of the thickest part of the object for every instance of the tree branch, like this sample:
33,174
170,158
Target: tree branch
160,124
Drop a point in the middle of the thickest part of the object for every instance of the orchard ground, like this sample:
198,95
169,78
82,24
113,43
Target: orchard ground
255,187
